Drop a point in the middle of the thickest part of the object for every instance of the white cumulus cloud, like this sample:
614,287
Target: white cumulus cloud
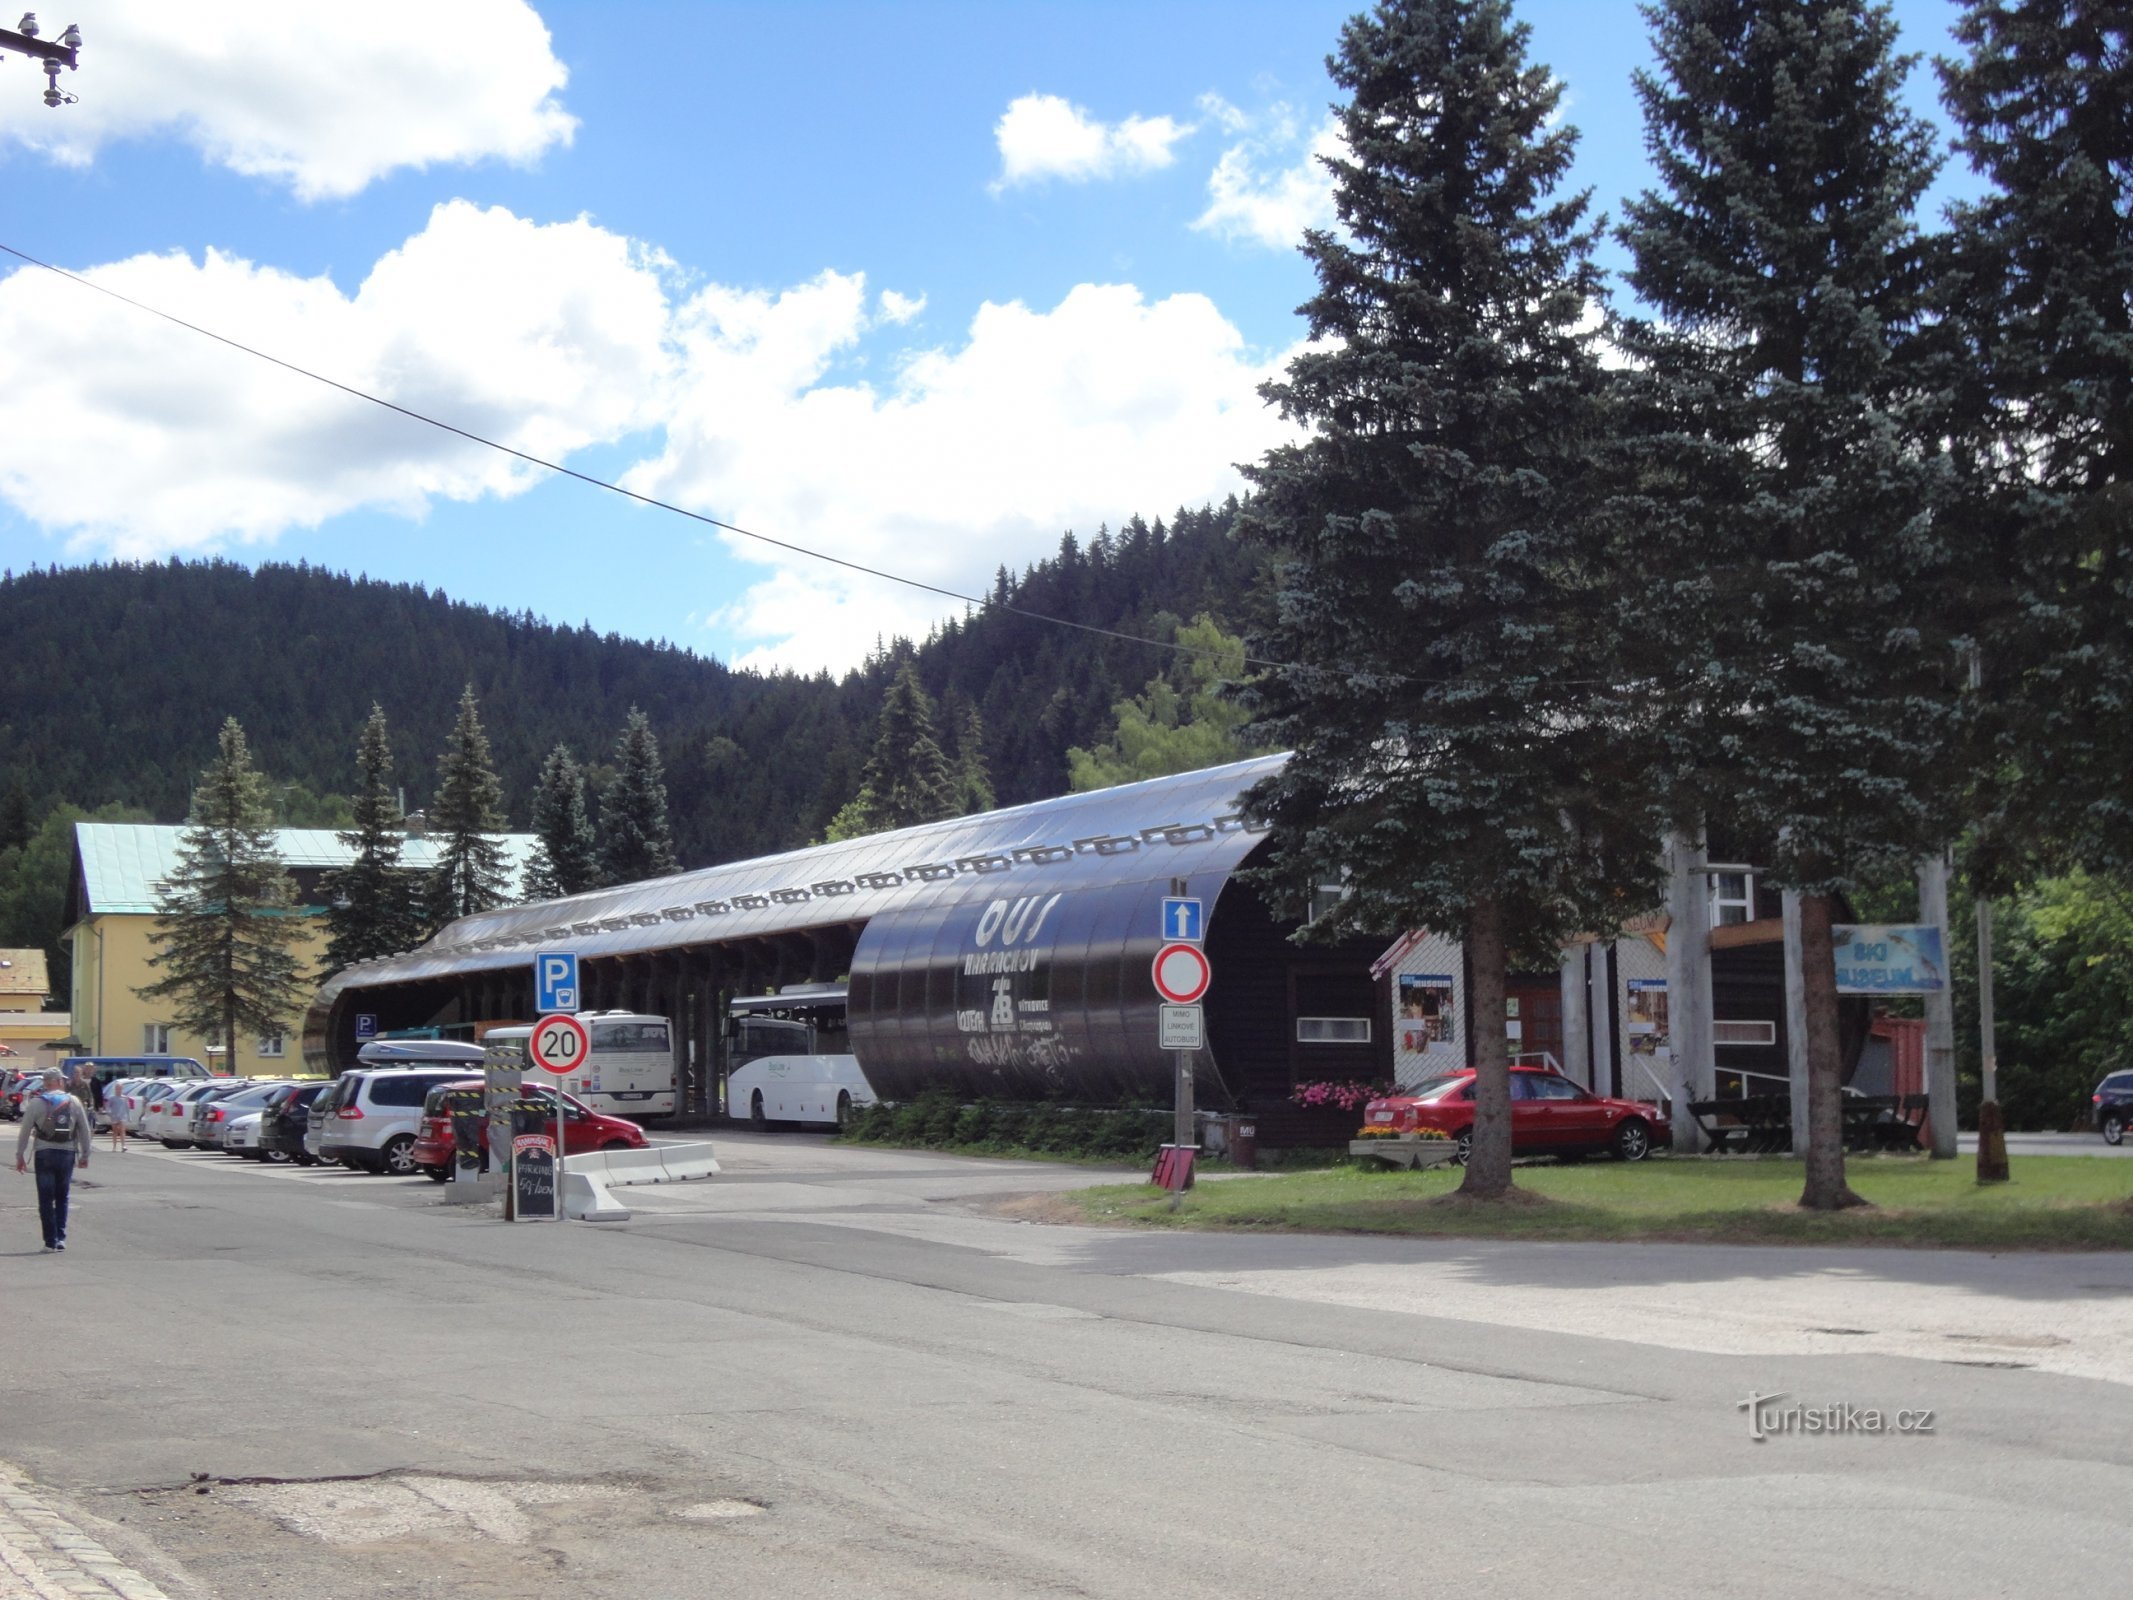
938,459
1045,136
977,454
149,439
1272,183
324,99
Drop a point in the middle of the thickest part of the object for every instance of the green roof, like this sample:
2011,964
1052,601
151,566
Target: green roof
123,863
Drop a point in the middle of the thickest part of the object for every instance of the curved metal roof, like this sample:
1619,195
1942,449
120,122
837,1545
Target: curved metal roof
1180,825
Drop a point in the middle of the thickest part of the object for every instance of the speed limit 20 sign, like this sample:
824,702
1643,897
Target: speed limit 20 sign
559,1044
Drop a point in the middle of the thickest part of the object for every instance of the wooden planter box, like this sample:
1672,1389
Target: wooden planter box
1408,1153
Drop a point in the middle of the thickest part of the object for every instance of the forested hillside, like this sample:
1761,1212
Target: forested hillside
118,676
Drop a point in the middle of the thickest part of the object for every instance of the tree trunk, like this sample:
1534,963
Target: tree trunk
1826,1189
1488,1168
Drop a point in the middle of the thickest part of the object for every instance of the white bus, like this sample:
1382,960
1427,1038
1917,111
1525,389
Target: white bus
788,1059
628,1073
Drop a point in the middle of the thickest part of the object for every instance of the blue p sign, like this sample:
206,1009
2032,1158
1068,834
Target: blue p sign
555,982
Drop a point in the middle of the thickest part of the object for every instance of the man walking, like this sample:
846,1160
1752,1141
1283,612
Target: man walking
57,1124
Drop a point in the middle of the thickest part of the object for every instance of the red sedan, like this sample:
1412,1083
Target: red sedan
583,1129
1550,1115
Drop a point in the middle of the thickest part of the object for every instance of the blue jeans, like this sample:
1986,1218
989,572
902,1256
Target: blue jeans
55,1179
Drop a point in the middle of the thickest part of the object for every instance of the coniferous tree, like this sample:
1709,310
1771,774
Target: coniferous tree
907,779
565,857
372,903
965,730
228,935
464,817
2038,289
1792,607
636,841
1433,584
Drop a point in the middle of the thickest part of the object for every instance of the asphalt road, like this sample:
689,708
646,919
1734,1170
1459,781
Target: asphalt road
838,1372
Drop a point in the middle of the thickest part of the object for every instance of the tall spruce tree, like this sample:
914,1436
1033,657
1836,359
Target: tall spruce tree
636,841
1433,581
2038,289
372,903
908,778
229,932
1793,609
565,856
965,750
465,816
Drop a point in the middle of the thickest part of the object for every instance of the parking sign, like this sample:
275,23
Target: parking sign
366,1026
555,982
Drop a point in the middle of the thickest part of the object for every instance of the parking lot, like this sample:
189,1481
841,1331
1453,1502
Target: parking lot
840,1371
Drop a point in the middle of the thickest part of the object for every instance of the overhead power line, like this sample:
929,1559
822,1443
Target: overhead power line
611,487
653,501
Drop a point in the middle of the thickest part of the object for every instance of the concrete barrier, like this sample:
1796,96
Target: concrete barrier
586,1197
670,1163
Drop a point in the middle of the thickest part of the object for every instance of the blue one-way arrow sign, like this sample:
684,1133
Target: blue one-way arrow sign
1182,920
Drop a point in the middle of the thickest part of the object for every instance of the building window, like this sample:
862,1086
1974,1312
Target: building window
1326,898
1732,898
155,1039
271,1046
1333,1030
1744,1033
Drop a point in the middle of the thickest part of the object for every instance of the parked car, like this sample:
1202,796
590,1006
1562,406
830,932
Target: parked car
139,1102
584,1129
212,1115
167,1118
207,1111
2112,1106
1550,1115
17,1082
376,1115
282,1124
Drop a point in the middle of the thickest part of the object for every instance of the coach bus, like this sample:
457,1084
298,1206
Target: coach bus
789,1058
630,1070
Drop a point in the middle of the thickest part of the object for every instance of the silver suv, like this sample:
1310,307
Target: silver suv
369,1119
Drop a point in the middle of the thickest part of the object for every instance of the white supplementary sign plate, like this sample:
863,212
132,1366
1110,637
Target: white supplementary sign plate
1182,1028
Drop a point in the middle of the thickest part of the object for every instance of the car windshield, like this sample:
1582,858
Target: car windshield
1435,1088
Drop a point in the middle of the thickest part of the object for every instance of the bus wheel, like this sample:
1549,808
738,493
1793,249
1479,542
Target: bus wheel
755,1112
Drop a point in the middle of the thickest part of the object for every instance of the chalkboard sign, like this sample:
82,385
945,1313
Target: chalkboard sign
533,1176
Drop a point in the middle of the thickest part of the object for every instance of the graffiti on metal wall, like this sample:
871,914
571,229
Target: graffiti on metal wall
1003,987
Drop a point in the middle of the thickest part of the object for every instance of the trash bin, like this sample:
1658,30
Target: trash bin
1243,1143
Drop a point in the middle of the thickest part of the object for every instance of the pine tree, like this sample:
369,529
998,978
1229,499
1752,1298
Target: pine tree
467,812
965,750
372,902
1433,583
907,779
565,858
2039,290
635,840
229,932
1792,606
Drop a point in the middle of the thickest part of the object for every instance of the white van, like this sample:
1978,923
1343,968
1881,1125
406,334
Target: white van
787,1058
628,1073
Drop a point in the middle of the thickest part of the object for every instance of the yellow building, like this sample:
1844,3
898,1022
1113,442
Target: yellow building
119,870
28,1032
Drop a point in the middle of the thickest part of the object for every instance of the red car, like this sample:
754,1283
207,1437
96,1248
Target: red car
583,1129
1550,1115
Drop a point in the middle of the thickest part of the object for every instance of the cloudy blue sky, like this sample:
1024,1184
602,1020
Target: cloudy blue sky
920,284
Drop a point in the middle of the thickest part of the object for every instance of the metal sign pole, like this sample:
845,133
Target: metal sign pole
1182,1131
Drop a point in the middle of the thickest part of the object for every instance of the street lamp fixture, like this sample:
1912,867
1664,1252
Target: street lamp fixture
63,52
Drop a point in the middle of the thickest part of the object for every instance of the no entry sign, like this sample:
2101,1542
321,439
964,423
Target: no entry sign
559,1044
1181,973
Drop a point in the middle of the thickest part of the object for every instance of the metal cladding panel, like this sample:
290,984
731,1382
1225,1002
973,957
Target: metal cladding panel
921,895
1026,996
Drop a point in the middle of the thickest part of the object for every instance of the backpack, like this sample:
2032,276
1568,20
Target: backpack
59,1120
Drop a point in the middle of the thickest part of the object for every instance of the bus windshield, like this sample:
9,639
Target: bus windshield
629,1036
